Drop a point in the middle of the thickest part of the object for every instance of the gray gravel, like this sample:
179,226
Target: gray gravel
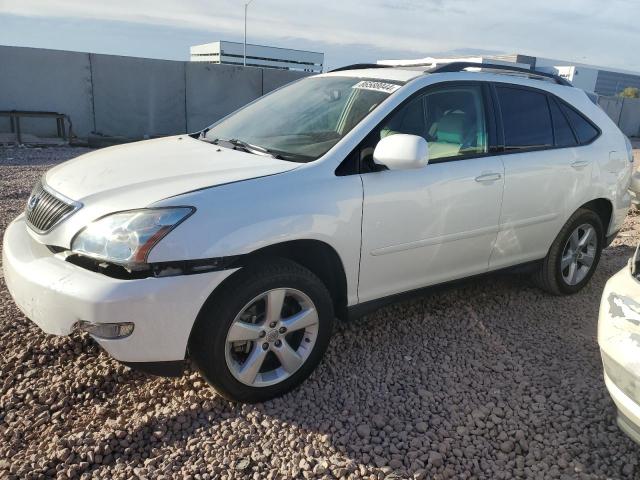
490,380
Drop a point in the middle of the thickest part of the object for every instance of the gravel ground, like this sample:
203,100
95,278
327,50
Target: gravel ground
490,380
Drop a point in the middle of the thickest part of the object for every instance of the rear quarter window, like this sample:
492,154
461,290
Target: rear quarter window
582,127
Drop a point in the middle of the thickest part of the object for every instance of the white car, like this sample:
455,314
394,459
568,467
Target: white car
619,340
239,245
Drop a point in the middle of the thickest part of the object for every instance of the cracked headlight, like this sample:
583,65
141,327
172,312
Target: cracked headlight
127,237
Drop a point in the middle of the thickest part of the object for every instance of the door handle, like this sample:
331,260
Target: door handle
488,177
579,164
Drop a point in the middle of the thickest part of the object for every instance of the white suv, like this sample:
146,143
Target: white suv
239,245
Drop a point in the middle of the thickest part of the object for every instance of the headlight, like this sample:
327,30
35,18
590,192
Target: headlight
128,237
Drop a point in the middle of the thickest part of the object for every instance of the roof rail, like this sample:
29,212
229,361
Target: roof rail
460,66
359,66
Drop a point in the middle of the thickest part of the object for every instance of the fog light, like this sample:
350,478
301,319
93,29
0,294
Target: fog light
109,331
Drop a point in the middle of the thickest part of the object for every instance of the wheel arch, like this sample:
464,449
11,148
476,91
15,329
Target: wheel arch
317,256
603,207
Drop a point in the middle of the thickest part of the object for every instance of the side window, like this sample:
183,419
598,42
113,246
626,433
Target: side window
451,120
526,118
563,134
583,128
409,120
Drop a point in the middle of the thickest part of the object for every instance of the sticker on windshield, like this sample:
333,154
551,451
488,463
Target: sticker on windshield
377,86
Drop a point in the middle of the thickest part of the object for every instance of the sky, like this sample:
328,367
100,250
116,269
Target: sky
347,31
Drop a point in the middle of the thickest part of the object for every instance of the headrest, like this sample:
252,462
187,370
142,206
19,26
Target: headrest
450,128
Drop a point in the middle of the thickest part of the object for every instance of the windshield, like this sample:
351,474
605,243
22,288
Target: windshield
302,121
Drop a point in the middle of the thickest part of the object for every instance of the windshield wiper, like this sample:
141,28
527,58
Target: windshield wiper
247,147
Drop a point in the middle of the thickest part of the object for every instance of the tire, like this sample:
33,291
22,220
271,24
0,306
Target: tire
555,279
240,308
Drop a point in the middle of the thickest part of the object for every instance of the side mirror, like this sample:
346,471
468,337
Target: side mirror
402,152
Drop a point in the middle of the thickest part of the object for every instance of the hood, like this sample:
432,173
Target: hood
137,175
152,170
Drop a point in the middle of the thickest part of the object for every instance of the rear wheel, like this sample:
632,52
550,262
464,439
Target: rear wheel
574,255
264,332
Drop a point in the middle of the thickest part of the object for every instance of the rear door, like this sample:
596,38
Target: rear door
437,223
546,174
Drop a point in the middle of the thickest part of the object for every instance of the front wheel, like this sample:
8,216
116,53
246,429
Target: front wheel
264,332
573,256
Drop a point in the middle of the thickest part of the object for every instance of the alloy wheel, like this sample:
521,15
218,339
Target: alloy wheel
271,337
579,254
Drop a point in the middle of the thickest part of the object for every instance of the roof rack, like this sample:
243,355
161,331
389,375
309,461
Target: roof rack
460,66
359,66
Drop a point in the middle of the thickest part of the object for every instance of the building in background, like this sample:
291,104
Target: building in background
232,53
603,81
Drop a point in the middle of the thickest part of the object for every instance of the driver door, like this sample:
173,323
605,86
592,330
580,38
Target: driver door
438,223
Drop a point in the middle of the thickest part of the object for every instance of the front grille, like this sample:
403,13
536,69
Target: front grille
46,209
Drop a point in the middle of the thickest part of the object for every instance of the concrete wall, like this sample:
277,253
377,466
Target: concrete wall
272,79
46,80
126,96
625,112
630,117
138,97
214,91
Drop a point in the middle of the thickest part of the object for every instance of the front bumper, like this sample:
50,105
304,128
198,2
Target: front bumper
619,340
56,294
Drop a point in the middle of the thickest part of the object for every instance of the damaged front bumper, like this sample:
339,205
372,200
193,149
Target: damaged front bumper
619,340
139,322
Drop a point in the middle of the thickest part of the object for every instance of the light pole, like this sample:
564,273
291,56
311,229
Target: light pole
246,6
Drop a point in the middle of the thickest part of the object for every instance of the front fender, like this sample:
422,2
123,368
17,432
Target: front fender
240,218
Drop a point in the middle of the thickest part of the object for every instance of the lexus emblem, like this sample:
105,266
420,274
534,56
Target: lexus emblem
32,202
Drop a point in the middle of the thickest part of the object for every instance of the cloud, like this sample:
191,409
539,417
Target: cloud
587,30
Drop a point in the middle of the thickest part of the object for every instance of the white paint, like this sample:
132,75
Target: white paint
425,226
402,152
56,294
393,230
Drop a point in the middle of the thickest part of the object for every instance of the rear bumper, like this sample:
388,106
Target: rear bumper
56,294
